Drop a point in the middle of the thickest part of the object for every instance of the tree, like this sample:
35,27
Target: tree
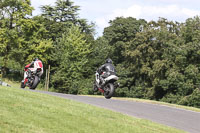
62,16
12,13
101,50
120,31
71,54
151,58
21,37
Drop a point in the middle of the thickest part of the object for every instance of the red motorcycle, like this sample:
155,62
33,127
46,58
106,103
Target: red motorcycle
33,78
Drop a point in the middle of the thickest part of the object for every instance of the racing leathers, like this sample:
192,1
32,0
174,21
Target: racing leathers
106,70
34,65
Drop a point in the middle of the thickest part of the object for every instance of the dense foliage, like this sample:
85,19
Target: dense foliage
157,60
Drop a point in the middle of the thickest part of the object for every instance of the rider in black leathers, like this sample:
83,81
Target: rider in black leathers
105,71
108,68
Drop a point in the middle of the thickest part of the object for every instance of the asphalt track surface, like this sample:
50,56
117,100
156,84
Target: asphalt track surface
186,120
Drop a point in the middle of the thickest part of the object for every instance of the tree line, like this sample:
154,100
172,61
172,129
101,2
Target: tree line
157,60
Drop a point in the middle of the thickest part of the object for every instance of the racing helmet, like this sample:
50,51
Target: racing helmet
108,60
35,59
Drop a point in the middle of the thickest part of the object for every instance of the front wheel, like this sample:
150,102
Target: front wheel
35,83
109,90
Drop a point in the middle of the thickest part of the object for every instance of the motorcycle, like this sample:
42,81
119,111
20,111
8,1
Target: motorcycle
105,85
33,78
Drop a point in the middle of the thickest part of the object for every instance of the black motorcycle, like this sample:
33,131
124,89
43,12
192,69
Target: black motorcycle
33,78
105,85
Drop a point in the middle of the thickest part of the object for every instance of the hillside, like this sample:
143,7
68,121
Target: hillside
26,111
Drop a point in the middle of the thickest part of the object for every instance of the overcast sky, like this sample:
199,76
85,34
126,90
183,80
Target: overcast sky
101,11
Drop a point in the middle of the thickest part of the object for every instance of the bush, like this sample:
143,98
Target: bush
121,92
171,98
85,86
192,100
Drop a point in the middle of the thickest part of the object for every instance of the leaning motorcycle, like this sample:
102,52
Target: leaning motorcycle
105,85
33,78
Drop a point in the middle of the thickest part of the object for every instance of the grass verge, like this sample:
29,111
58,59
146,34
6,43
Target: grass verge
17,84
25,111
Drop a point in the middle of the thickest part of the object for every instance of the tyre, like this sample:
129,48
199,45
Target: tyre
35,83
109,90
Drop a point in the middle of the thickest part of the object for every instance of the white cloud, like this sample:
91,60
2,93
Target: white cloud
38,3
102,11
190,13
170,12
133,11
101,22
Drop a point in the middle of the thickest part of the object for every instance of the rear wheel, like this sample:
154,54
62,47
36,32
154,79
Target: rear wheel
109,90
35,83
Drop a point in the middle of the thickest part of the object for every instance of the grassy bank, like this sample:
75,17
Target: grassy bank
25,111
15,84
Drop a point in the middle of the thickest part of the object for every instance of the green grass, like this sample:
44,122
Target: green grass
23,111
14,84
17,84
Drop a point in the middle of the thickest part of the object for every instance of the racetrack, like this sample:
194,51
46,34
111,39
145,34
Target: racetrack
186,120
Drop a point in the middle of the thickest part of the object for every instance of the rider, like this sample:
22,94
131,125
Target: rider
36,63
106,70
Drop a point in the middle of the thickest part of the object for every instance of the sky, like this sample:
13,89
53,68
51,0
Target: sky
102,11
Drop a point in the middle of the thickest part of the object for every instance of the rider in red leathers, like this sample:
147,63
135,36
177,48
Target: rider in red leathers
36,63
